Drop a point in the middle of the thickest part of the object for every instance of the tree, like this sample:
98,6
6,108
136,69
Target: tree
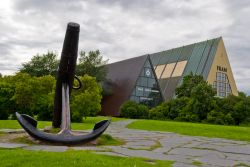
86,101
34,95
6,92
202,100
41,65
241,112
189,82
92,64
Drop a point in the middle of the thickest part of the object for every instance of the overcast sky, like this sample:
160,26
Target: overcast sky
122,29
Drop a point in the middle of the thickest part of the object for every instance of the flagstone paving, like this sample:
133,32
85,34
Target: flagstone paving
185,151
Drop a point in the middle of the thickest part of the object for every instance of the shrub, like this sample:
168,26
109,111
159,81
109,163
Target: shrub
228,119
4,114
215,117
131,109
86,101
159,111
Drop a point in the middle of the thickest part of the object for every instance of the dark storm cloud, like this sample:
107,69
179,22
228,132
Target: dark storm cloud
123,29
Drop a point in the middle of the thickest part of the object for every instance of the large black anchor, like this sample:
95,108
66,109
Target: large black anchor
64,85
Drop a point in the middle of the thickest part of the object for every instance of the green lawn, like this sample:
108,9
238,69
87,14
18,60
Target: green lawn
87,123
24,158
194,129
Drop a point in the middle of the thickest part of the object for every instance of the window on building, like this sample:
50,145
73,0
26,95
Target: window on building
159,70
146,90
222,85
168,70
179,68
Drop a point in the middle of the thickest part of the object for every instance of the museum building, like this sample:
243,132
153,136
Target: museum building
151,79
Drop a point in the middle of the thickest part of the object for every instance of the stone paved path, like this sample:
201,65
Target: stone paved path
186,151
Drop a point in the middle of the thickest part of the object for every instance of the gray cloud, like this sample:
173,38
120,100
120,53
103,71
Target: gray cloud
124,29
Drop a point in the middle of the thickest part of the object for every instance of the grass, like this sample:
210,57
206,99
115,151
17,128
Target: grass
86,124
2,134
106,139
194,129
197,163
24,158
241,165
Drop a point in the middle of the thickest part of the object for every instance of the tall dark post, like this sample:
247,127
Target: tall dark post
66,71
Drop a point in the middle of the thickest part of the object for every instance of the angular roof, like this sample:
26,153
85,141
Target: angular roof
198,58
123,76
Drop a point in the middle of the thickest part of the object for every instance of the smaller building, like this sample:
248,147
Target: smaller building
151,79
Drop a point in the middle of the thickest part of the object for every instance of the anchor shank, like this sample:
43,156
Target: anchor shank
65,126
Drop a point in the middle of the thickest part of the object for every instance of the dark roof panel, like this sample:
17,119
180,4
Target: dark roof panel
123,76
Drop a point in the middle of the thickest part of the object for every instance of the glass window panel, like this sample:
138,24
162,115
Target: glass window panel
142,81
137,99
151,82
180,66
142,72
168,70
147,92
139,91
147,64
159,70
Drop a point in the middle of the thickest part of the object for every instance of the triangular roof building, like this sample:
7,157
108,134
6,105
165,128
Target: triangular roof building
167,69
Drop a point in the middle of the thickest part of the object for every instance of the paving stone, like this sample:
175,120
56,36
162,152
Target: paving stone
12,130
236,149
138,153
186,159
214,160
238,157
179,164
12,145
196,152
163,150
192,144
47,148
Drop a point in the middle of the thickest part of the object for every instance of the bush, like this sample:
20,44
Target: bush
159,112
4,114
86,101
215,117
131,109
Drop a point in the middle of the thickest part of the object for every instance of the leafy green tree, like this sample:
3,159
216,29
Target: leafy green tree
86,101
6,93
34,95
189,82
92,64
23,93
41,65
241,112
202,100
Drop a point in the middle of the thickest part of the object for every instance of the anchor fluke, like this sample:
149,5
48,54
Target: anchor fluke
60,137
